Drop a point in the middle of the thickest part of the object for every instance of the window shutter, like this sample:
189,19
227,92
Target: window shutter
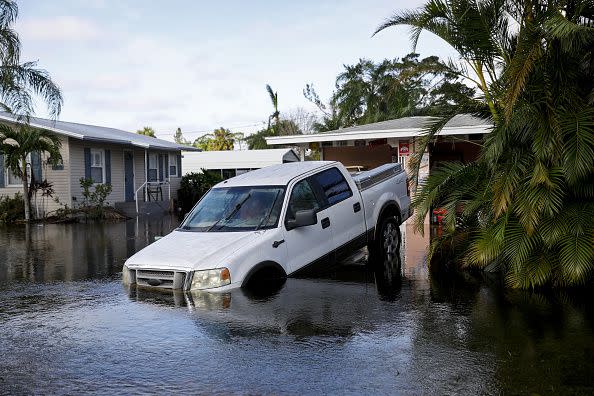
160,167
87,163
2,171
147,158
107,166
36,166
179,172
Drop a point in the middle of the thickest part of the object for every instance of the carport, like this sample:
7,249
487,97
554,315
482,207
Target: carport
371,145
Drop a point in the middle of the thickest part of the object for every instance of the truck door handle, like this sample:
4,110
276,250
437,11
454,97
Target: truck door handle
325,222
276,244
357,207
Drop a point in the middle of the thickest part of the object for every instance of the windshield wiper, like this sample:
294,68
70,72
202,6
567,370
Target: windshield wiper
265,219
233,212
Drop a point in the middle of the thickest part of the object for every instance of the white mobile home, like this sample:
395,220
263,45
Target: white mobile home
232,163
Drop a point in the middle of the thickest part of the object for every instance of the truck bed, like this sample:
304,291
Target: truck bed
370,178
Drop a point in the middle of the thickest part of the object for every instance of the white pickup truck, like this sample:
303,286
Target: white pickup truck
277,221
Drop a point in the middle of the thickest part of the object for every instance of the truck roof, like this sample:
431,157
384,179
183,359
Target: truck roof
275,175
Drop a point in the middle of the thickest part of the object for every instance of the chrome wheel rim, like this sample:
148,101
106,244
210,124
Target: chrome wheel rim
390,241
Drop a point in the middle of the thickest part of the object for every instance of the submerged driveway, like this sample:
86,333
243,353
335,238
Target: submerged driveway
69,326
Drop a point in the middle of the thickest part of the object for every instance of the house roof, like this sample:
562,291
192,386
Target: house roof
275,175
99,133
240,159
405,127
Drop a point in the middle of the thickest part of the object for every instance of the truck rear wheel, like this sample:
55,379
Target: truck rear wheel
386,246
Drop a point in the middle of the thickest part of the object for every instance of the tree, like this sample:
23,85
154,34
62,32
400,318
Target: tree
303,122
20,82
178,137
526,206
257,140
147,131
221,139
369,92
274,100
330,120
19,142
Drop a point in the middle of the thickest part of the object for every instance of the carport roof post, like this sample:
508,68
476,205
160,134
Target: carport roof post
407,127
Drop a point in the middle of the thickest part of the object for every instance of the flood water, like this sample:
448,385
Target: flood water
67,325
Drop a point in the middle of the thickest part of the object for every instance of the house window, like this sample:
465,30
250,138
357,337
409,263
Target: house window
152,167
173,165
228,173
97,166
13,180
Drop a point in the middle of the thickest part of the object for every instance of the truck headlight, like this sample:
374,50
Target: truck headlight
127,278
210,279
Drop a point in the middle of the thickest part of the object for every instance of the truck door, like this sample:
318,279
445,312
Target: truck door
345,210
309,244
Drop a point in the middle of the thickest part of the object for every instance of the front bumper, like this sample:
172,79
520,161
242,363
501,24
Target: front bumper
157,278
165,279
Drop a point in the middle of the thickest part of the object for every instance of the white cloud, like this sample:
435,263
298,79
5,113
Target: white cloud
59,28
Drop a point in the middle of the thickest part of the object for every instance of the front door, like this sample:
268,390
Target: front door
310,244
129,175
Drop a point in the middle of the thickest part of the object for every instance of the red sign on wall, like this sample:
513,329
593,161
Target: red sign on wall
403,148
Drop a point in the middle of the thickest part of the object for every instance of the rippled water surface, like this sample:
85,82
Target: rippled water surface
67,325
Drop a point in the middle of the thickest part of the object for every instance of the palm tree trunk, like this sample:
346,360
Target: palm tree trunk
485,88
26,189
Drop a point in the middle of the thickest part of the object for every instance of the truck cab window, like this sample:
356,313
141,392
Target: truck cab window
302,198
334,185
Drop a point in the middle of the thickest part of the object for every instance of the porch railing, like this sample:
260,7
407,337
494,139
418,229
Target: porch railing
145,194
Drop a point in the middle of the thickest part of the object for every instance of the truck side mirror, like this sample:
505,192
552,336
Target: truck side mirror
302,218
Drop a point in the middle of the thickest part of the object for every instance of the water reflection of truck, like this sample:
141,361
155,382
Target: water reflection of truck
302,307
277,221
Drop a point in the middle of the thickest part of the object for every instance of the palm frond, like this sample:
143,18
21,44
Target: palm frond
18,82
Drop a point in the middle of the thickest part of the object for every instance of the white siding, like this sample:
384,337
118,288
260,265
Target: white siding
58,178
77,158
66,182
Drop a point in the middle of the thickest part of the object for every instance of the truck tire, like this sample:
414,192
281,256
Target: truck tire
386,246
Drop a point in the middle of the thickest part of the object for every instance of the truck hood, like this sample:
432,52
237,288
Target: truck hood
191,250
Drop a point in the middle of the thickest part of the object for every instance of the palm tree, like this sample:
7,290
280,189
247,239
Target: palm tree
478,30
220,139
274,99
19,82
17,144
526,206
147,131
178,137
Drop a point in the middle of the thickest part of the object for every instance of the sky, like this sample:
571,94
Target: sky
201,65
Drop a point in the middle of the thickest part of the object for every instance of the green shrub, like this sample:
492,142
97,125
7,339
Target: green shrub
93,204
193,186
12,209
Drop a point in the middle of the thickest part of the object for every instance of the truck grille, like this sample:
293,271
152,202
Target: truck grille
161,279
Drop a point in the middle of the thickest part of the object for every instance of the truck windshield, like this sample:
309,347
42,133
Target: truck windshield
236,209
